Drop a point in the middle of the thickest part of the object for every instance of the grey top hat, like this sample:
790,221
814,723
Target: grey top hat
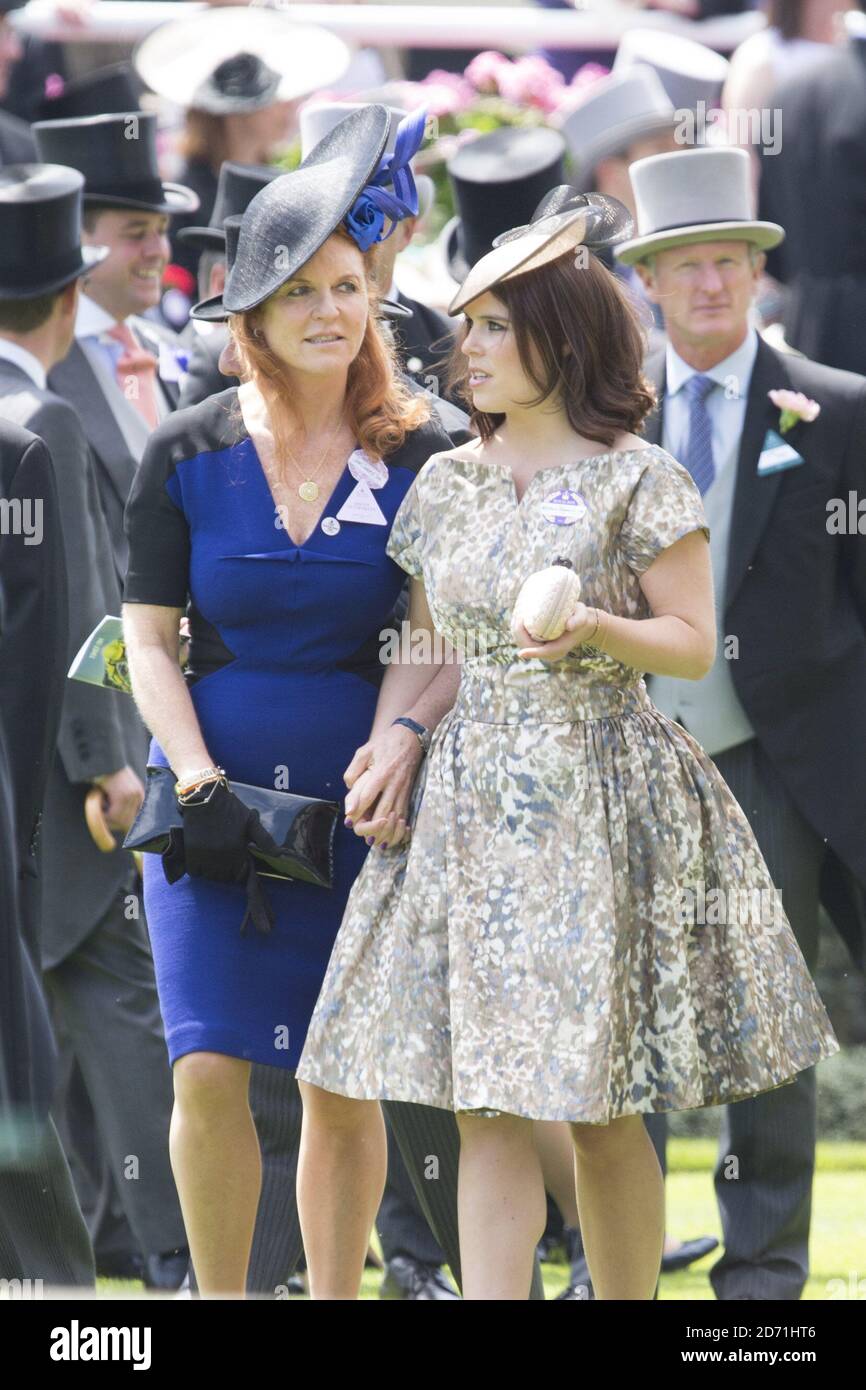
689,71
625,106
319,118
691,196
40,230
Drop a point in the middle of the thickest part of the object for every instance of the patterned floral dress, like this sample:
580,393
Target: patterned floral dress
582,925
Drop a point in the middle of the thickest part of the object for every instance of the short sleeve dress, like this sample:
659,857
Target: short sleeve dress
582,925
284,674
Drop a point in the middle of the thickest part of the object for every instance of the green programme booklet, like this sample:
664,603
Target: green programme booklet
102,658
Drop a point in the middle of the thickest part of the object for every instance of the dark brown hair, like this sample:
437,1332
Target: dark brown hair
380,407
26,315
578,336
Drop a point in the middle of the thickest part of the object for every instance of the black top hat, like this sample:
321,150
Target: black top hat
292,217
238,184
498,180
117,156
40,230
243,82
115,88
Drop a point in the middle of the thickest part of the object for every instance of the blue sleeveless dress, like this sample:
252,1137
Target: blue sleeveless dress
284,674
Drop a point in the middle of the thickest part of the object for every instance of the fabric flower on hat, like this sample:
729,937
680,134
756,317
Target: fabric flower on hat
366,217
365,222
794,406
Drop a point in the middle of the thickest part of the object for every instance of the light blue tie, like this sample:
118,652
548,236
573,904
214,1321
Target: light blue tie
699,446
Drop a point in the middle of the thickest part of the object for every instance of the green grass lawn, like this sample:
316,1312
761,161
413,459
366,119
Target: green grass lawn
838,1245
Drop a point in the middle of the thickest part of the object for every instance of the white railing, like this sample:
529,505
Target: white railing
517,29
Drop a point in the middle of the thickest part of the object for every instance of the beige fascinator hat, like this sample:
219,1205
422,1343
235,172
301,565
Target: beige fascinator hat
562,222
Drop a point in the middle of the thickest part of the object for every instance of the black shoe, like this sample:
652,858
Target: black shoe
409,1279
579,1289
122,1264
166,1271
687,1252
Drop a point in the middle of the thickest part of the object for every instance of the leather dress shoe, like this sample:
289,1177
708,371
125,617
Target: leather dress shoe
167,1271
410,1279
687,1252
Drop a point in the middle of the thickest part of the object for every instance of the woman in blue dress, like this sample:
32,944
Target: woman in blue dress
268,507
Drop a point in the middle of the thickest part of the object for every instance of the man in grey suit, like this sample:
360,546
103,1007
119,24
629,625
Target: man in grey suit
95,953
789,681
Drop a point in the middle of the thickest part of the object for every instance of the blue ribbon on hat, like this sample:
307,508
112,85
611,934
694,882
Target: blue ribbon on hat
366,218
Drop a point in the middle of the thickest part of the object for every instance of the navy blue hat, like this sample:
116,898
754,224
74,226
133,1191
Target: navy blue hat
292,217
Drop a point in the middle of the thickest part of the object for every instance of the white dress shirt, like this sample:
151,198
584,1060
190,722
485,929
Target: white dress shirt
14,352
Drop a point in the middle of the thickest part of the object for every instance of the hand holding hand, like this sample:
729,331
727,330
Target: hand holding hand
380,778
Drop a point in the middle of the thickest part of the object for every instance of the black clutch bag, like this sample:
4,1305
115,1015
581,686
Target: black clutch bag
302,826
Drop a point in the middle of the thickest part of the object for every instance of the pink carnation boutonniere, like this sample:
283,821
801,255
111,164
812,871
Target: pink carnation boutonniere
794,406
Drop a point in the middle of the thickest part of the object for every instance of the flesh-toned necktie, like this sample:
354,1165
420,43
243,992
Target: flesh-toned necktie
136,374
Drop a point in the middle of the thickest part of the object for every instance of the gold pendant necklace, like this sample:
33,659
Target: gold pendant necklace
308,491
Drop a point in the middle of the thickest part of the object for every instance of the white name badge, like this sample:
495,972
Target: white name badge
363,469
361,505
563,508
776,454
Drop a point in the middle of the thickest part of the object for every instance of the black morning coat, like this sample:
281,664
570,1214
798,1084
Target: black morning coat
33,651
796,599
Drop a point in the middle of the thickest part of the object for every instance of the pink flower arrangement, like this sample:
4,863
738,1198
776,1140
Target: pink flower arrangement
531,82
446,93
483,72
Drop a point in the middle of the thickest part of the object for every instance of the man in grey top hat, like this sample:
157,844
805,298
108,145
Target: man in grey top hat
789,679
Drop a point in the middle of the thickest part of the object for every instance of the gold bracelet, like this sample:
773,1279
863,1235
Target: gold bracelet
598,646
587,642
207,774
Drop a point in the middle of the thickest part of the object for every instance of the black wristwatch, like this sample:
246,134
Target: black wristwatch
423,734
